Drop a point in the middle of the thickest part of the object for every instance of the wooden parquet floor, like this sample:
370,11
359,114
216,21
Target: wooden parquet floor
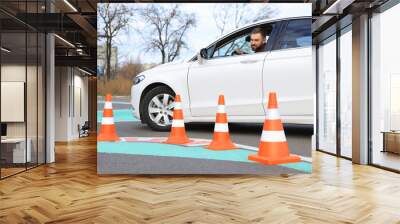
70,191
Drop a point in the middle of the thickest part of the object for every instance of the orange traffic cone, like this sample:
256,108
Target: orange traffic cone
273,147
178,133
221,139
107,129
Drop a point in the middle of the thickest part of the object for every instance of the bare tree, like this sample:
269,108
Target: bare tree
239,14
167,27
220,15
264,12
232,16
112,19
131,68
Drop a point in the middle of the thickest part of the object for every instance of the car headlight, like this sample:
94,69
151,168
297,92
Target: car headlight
138,79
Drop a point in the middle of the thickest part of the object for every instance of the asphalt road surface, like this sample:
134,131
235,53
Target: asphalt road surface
246,134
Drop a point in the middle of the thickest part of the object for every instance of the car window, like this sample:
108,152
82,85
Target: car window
228,48
297,34
240,41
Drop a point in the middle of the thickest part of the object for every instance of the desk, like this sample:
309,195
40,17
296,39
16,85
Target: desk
18,149
391,141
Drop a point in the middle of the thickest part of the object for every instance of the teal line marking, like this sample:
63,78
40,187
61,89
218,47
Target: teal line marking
119,115
196,152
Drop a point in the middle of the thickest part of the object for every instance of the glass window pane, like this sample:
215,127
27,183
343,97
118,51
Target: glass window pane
385,85
41,98
32,87
31,97
230,47
346,94
297,34
327,96
242,42
13,86
22,87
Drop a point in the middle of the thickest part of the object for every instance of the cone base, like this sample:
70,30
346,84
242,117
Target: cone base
177,141
274,161
107,138
217,145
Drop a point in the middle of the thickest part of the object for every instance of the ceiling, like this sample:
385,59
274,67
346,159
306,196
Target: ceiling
73,21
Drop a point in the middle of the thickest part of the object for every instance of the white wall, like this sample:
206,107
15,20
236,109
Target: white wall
70,84
12,73
61,103
79,115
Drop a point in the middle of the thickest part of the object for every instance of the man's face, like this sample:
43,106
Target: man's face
256,41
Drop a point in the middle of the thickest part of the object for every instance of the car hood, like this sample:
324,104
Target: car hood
176,65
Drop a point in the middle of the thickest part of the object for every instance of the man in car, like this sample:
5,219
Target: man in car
258,41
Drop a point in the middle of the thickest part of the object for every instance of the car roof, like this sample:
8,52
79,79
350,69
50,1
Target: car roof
254,24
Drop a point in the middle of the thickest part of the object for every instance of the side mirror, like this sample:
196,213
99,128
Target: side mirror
200,60
202,55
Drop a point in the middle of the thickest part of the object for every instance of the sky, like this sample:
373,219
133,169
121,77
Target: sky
130,45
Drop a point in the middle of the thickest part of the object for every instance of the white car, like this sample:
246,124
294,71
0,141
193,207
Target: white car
245,80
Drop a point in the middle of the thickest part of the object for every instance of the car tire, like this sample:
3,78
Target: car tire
147,100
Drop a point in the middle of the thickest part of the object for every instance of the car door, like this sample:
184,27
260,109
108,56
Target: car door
238,77
288,71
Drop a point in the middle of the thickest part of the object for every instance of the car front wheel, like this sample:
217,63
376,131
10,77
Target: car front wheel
158,105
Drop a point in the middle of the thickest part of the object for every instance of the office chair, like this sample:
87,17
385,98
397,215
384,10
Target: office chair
84,130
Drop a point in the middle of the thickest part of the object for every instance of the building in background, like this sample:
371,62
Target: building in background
101,60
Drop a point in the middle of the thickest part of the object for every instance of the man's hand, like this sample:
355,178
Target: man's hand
238,51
